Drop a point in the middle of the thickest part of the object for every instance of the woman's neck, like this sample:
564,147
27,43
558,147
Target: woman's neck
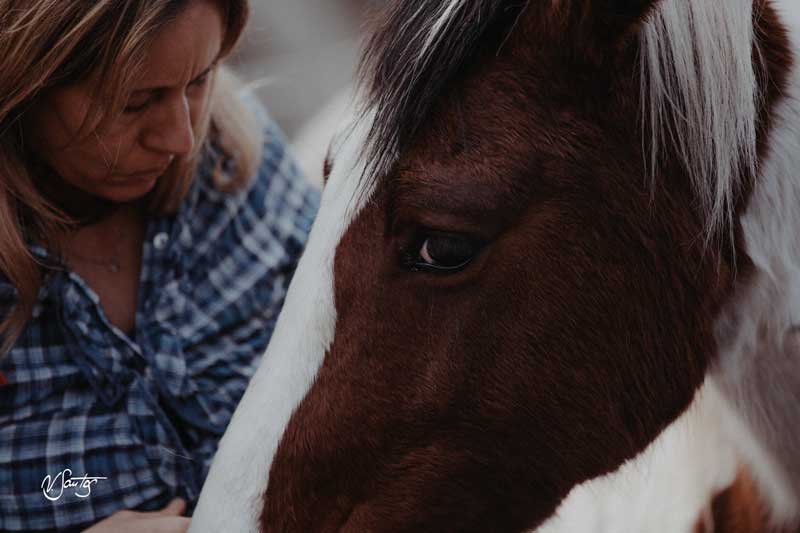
107,255
83,208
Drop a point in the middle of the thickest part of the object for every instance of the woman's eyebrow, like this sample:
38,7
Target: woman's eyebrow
164,87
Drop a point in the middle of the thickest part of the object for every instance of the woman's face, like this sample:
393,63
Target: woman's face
123,161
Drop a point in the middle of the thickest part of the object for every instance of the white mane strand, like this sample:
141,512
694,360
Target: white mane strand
418,49
699,93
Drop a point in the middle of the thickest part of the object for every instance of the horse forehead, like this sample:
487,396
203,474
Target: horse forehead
499,119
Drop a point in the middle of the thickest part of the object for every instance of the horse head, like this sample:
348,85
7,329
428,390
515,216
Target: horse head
516,277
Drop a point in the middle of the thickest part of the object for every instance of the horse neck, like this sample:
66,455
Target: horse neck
758,367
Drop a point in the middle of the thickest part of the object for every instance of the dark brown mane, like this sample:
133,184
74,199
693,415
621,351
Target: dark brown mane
408,62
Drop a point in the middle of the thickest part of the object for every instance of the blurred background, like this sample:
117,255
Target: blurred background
301,57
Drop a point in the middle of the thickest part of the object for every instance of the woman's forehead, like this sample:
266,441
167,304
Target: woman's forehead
184,48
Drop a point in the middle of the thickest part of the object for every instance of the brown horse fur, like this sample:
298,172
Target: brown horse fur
474,401
739,509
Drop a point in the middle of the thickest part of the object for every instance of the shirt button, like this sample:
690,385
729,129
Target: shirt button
160,241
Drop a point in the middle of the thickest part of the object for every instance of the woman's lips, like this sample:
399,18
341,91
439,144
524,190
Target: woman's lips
144,175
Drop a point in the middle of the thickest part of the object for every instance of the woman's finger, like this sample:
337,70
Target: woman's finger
174,508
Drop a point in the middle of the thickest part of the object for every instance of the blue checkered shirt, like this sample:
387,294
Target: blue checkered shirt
145,412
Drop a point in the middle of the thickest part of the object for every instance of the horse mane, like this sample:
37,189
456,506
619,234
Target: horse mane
700,97
699,91
419,46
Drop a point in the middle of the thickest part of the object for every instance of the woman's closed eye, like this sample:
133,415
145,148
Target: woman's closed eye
201,80
198,84
141,100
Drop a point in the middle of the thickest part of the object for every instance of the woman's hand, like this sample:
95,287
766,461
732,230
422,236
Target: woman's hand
167,520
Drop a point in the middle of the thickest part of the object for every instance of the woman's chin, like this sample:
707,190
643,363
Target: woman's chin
128,190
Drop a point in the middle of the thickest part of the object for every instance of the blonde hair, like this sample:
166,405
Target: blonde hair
49,43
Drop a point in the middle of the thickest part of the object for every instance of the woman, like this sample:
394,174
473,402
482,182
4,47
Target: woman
149,226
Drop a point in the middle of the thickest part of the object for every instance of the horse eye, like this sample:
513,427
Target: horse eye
445,253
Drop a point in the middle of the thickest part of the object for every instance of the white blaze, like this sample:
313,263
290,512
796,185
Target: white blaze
232,496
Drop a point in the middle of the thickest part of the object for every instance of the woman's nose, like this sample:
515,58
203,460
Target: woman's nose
171,131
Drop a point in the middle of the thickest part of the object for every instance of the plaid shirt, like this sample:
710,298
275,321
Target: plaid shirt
146,412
